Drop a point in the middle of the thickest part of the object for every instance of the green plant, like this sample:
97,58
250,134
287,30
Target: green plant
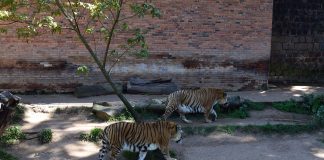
12,135
291,106
249,105
278,129
124,115
45,136
241,113
93,136
6,156
313,102
18,114
319,116
264,129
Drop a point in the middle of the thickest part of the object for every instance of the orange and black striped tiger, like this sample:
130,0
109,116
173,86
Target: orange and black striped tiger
139,137
194,101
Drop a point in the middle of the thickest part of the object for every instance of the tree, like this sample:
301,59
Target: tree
94,22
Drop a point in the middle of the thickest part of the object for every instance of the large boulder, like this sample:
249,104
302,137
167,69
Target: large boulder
105,110
96,90
8,102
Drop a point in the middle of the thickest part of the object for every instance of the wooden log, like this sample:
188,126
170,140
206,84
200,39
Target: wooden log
105,110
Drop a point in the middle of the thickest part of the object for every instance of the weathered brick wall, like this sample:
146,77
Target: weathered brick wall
297,53
224,44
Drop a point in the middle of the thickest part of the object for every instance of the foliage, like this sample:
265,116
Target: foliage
291,106
12,135
264,129
6,156
18,114
319,116
45,136
313,102
123,116
258,106
279,129
93,136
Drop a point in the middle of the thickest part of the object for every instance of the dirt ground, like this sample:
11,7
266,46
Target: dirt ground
216,146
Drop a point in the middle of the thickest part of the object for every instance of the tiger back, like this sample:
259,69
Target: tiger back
194,101
139,137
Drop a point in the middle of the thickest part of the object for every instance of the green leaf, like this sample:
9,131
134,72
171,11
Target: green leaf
3,30
82,70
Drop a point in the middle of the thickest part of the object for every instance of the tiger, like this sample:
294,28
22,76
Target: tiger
139,137
194,101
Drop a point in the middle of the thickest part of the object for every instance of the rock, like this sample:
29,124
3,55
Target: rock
105,110
232,103
96,90
158,86
8,102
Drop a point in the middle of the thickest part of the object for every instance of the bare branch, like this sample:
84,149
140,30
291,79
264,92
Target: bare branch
132,16
111,33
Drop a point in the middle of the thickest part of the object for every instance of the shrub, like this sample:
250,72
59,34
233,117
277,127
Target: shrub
313,102
6,156
45,136
93,136
291,106
319,116
12,135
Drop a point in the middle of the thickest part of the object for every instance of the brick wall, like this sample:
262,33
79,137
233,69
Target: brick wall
223,43
297,53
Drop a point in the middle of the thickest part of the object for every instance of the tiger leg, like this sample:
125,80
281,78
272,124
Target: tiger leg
142,155
182,110
103,151
213,112
206,114
114,152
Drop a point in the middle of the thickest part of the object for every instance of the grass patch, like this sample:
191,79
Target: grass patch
18,114
6,156
291,106
45,136
12,135
151,155
256,129
279,129
93,136
256,106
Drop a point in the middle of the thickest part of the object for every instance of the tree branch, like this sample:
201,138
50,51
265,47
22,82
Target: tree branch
111,33
100,65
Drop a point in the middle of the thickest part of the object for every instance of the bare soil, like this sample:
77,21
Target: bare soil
68,126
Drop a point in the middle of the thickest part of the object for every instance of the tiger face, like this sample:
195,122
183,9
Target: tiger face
176,132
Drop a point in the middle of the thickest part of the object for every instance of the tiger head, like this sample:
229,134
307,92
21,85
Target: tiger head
176,132
219,94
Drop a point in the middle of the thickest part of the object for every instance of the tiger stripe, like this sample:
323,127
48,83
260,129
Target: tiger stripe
194,101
